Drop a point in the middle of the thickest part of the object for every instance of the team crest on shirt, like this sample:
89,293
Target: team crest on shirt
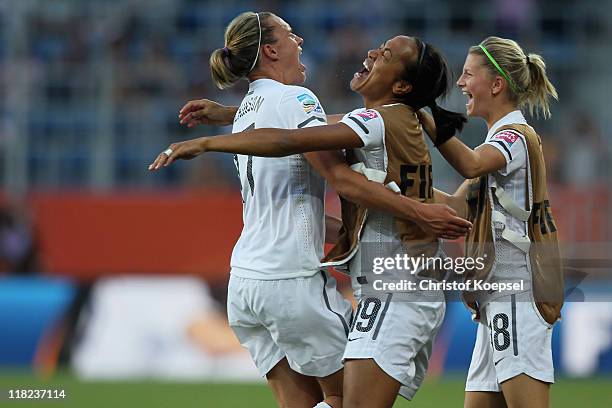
308,102
368,114
506,136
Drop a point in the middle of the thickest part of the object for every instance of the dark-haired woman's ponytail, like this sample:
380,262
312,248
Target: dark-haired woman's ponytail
447,123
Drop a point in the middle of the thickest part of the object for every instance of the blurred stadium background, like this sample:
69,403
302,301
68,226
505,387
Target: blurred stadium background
113,279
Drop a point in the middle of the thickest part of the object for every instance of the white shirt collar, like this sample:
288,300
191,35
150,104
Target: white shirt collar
514,117
261,82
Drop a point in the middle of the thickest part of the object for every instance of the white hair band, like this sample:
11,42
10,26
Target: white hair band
258,43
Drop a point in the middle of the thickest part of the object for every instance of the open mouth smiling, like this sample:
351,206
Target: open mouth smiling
364,72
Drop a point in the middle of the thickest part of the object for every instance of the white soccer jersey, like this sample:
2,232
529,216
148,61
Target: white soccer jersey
368,124
283,212
379,237
511,262
512,177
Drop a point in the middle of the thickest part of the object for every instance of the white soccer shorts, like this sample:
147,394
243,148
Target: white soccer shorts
397,335
303,319
512,339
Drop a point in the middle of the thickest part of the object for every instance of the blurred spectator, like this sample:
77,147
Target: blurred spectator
586,154
347,58
514,17
552,156
17,244
94,87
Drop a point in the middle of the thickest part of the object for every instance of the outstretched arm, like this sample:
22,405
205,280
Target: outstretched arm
207,112
469,163
472,163
264,142
438,219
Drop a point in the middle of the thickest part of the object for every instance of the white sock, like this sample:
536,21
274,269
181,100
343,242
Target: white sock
322,405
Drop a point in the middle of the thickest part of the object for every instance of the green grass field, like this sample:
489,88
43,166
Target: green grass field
592,393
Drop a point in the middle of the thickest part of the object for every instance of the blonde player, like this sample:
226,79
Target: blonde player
283,309
514,229
392,333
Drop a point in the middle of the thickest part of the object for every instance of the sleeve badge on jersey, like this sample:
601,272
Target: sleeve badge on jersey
308,102
368,114
508,137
